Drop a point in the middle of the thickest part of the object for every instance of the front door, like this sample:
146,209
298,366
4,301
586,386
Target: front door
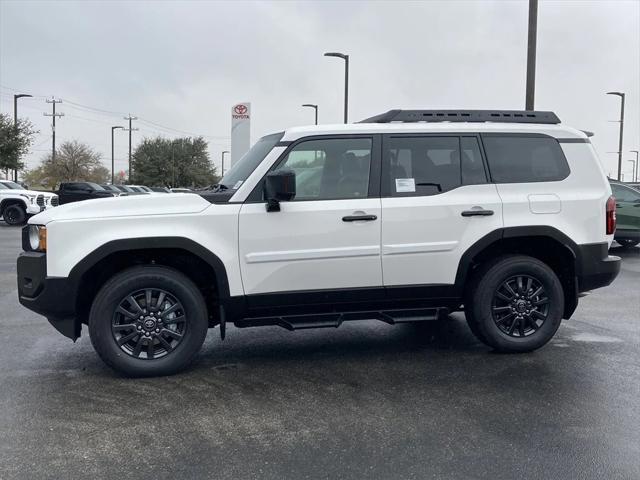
436,203
328,236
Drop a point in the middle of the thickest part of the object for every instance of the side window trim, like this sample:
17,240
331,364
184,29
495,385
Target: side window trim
256,195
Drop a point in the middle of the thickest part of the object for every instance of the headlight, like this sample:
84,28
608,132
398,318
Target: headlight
31,198
38,238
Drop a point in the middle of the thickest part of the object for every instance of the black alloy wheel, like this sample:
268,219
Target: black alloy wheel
148,320
520,306
149,323
514,303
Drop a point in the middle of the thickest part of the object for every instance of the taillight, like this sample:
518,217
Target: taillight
611,215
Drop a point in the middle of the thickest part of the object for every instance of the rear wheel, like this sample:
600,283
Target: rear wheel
516,304
15,214
148,321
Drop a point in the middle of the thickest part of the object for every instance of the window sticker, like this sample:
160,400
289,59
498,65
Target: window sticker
238,184
404,185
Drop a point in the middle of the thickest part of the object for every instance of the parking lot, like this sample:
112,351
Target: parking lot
367,400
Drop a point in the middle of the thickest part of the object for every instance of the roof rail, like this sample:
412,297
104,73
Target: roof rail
500,116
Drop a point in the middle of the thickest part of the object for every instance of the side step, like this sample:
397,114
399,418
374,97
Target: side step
328,320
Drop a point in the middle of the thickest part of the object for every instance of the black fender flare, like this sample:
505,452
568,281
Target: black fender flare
466,261
150,243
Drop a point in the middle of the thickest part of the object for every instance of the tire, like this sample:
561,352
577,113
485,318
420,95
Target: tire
627,243
181,320
15,214
521,322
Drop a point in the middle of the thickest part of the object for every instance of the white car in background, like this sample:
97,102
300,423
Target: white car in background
16,206
50,198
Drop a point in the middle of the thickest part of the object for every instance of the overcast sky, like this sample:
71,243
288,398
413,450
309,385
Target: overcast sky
183,64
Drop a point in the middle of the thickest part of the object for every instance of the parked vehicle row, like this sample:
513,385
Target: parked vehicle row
18,204
78,191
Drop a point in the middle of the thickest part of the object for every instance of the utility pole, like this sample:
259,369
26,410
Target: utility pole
15,123
130,129
531,54
621,95
53,116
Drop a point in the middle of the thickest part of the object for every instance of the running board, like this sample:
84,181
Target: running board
334,320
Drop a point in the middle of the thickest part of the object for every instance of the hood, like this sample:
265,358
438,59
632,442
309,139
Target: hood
137,205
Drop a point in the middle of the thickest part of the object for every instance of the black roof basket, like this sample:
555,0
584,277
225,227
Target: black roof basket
500,116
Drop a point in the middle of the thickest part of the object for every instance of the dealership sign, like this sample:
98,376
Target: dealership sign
240,130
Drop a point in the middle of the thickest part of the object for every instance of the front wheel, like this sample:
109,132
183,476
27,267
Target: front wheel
515,304
15,214
148,321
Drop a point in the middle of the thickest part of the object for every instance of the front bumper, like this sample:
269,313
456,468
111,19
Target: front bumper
34,209
49,296
595,267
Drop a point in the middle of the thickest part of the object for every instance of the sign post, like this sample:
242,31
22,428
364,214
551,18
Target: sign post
240,130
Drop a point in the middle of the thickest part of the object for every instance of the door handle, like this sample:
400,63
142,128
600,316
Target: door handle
480,212
359,218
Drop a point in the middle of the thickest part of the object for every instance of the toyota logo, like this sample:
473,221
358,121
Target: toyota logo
240,109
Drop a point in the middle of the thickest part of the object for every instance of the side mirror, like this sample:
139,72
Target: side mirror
279,186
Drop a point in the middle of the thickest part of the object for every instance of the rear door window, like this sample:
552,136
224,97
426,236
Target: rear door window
431,165
523,159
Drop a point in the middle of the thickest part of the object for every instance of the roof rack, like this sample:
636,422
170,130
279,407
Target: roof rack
500,116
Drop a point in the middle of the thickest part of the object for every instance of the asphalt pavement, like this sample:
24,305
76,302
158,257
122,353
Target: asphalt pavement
366,400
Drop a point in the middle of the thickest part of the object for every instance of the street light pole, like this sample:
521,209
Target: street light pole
621,95
222,169
15,123
633,169
346,80
315,107
637,165
531,54
112,153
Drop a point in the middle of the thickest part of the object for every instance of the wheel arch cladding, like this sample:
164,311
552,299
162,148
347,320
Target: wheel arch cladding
198,263
545,243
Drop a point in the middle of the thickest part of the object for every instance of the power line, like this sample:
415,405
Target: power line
102,111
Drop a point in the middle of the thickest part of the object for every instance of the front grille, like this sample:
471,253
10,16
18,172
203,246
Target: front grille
54,201
40,200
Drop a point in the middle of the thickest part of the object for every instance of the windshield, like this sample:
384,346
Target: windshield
3,186
95,186
13,186
248,163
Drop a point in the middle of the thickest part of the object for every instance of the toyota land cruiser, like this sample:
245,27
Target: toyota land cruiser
404,217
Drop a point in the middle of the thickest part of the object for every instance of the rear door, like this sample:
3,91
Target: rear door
436,203
328,236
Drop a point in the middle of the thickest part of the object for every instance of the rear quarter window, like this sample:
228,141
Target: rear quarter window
523,159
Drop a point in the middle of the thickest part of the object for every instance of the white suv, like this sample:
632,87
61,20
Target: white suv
17,204
404,217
